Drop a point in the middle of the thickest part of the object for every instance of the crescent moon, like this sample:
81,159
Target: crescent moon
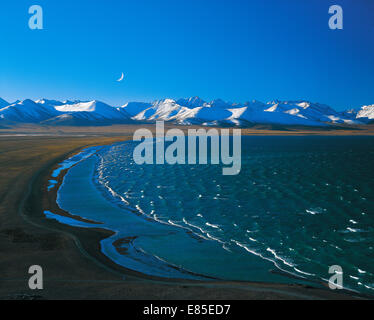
122,76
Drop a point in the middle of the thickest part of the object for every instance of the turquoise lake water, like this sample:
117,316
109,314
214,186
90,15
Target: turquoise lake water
298,206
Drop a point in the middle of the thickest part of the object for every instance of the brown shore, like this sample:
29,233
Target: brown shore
73,265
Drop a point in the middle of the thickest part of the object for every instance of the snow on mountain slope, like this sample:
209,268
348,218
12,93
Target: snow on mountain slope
27,111
92,110
48,102
3,103
212,113
219,103
193,102
361,115
170,110
197,111
350,114
42,110
310,111
166,110
134,108
183,111
256,115
366,113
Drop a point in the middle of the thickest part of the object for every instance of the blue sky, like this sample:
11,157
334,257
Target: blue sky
237,50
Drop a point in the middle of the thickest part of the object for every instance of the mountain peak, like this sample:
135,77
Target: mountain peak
191,110
192,102
219,103
26,102
49,102
165,101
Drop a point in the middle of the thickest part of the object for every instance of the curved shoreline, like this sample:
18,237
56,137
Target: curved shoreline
88,241
82,236
56,210
30,208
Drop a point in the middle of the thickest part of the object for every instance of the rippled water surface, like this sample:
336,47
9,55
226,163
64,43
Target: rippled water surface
298,206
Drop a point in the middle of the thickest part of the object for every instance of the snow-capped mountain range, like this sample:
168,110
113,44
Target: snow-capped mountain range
183,111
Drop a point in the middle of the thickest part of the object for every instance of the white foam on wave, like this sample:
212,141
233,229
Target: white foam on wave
214,238
280,258
115,194
152,216
192,225
303,272
201,230
315,211
245,247
226,248
212,225
342,287
175,224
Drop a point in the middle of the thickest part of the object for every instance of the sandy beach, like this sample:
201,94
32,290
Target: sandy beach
74,266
